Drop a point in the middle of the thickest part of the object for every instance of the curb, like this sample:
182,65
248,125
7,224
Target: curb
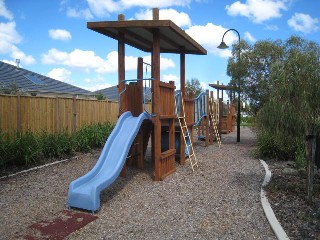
273,221
36,168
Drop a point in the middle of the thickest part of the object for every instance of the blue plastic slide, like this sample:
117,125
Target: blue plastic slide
84,192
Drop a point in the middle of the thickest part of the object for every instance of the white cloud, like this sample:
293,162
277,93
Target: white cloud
60,74
9,38
4,12
60,34
172,77
150,4
165,63
257,10
102,8
180,18
303,23
16,53
249,37
82,13
96,87
204,85
210,36
10,62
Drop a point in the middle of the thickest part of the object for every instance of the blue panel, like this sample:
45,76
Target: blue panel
34,80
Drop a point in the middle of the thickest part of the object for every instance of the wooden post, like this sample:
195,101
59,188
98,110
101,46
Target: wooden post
74,114
156,143
18,113
220,115
121,66
183,95
140,147
207,119
155,13
57,114
140,85
311,154
172,128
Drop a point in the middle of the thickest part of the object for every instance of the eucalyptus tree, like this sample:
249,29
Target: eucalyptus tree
193,87
294,104
254,70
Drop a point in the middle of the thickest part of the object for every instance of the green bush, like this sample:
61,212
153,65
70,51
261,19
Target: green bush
91,136
279,146
55,144
26,148
247,120
30,148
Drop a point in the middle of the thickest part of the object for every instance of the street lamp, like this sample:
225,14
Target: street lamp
223,45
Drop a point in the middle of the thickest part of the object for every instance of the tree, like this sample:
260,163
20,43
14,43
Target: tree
281,82
193,88
254,70
100,96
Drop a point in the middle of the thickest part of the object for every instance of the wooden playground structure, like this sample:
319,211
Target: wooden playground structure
227,111
154,36
213,117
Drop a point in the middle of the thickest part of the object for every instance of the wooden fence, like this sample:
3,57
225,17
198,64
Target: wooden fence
51,114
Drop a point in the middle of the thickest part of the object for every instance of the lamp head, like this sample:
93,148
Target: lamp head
223,45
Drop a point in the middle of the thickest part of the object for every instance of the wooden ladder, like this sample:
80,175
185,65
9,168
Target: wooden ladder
186,134
213,123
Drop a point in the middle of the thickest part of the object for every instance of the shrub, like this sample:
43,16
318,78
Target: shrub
30,148
276,145
55,144
91,136
25,148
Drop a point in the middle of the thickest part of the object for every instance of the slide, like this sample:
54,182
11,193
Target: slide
84,192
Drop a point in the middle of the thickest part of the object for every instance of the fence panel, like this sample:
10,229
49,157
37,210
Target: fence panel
8,112
30,113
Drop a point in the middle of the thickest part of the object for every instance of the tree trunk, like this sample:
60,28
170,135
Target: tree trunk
310,155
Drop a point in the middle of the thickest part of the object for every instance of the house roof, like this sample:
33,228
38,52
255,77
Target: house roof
138,34
33,82
112,93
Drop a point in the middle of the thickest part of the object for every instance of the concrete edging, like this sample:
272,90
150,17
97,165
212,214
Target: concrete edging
273,221
36,168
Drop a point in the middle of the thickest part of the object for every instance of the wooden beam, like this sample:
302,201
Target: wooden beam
156,143
121,69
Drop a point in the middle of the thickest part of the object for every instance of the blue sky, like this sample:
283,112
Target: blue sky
51,37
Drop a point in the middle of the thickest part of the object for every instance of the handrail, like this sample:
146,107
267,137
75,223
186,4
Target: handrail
144,92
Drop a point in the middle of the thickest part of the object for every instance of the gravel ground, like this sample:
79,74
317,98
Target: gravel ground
220,200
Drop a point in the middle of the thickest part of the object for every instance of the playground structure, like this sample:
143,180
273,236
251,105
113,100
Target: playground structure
227,111
206,114
128,141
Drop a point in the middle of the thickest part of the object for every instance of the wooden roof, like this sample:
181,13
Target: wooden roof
220,87
138,34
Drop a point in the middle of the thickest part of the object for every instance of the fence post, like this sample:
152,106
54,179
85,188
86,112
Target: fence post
18,113
74,117
57,114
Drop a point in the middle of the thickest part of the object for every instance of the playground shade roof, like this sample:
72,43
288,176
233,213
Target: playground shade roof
138,34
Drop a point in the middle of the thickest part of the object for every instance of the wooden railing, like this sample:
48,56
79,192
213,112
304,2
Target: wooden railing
167,103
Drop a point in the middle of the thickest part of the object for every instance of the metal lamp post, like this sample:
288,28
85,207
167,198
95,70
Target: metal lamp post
223,45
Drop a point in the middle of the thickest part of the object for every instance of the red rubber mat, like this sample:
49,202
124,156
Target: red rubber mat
58,228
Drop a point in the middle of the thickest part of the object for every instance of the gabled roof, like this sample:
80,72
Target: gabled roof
138,34
33,82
